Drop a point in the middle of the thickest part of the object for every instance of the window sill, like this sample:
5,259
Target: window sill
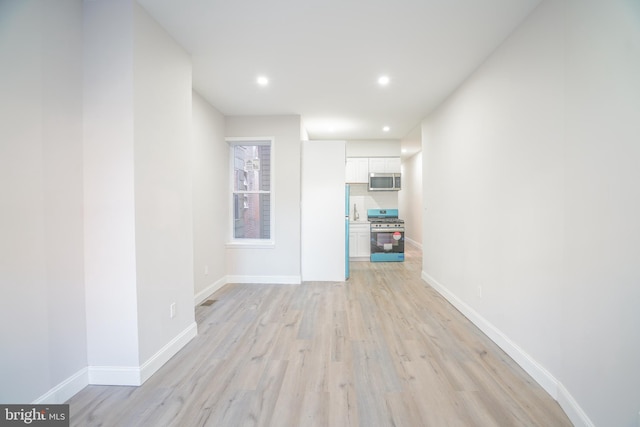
251,244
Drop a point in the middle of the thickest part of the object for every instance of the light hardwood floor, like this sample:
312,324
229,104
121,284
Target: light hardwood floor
382,349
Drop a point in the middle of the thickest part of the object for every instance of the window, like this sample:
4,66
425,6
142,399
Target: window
252,193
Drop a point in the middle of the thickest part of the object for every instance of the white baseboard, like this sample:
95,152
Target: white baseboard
66,389
114,375
137,375
572,408
543,377
163,355
271,280
209,290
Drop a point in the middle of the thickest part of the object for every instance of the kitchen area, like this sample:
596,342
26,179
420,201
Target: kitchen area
351,198
375,231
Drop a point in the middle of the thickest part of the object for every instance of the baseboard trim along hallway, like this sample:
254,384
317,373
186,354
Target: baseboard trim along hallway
533,368
66,389
137,375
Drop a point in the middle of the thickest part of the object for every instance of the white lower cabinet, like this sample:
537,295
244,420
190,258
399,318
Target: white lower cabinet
359,245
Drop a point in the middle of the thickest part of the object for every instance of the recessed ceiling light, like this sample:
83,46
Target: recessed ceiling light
386,128
404,150
383,80
262,81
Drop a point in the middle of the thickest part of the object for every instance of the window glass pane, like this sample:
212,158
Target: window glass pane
251,177
252,216
252,167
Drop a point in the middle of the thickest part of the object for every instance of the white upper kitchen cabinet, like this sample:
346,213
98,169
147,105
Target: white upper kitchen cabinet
357,170
384,165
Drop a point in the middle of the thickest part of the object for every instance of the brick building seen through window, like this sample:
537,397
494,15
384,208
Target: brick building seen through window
252,190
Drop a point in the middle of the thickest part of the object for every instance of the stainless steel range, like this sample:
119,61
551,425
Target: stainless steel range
387,235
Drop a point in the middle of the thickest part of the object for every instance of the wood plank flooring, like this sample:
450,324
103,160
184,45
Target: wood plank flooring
382,349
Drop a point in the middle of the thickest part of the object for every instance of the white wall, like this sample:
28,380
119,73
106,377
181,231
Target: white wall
531,206
87,226
42,323
138,193
282,262
163,185
373,148
601,292
110,260
210,198
410,198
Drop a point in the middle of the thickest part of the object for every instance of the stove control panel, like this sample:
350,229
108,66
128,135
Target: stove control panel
386,225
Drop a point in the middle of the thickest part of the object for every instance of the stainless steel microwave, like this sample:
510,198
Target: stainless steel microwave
385,182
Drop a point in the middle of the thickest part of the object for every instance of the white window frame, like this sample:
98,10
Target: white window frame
234,242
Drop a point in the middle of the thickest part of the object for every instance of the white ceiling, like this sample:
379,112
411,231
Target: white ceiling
323,57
